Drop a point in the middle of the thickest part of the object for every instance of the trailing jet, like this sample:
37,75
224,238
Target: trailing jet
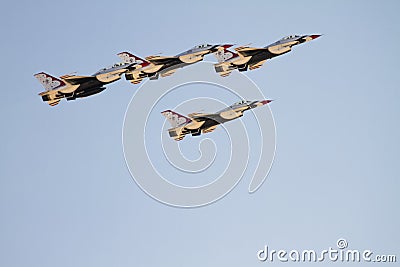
252,58
198,123
155,66
72,87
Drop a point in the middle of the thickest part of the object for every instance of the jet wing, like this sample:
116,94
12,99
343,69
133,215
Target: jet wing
72,79
160,60
210,129
168,73
206,119
258,65
199,117
250,51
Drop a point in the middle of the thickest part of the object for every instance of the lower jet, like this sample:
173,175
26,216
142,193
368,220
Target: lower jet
198,123
72,87
252,58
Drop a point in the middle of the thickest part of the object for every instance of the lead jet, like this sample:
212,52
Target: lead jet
155,66
72,87
252,58
198,123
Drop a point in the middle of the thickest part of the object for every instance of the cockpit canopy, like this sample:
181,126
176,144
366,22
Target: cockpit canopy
114,66
201,46
241,103
119,64
290,37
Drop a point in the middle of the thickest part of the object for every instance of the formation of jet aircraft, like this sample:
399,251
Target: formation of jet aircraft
198,123
135,69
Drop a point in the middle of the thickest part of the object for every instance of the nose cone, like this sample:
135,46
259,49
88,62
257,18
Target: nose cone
225,46
315,36
264,102
220,47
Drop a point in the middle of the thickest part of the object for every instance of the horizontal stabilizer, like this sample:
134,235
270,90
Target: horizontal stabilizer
53,102
137,81
223,69
179,138
225,73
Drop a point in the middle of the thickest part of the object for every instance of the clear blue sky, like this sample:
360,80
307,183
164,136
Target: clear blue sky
66,195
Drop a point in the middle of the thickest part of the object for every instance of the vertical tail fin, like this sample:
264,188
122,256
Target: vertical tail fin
130,58
175,119
224,55
49,82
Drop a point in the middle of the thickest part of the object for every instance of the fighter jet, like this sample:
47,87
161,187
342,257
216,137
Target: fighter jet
72,87
155,66
252,57
198,123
